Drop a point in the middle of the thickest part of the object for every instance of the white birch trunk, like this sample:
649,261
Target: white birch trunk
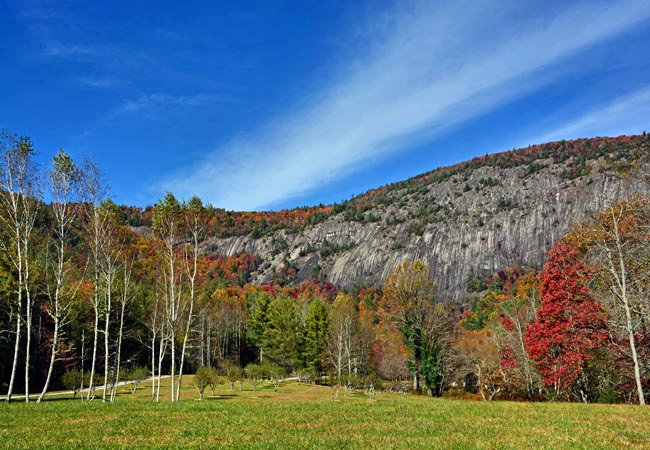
14,365
91,382
19,186
106,340
618,269
96,238
161,356
28,326
55,343
118,357
192,277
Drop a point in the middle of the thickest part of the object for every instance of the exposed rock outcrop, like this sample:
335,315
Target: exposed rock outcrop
478,222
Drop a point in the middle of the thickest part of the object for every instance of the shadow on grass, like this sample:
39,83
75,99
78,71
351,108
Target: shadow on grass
48,399
60,399
217,397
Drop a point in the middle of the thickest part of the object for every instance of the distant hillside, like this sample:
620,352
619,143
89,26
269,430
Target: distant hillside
474,217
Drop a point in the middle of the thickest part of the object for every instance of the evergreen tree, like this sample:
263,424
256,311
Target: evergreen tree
316,327
258,322
282,338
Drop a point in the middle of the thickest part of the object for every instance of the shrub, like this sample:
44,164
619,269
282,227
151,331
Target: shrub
204,377
275,373
460,394
255,373
233,373
306,376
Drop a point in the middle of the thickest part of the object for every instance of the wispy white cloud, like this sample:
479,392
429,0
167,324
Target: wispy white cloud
157,102
99,82
147,106
58,49
627,114
421,72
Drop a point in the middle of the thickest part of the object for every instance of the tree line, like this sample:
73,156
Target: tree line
87,301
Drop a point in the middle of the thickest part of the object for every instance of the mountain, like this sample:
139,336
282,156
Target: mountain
475,217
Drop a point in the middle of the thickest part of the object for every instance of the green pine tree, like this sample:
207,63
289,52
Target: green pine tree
316,329
258,323
282,338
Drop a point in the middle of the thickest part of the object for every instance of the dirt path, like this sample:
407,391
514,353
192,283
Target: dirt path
55,393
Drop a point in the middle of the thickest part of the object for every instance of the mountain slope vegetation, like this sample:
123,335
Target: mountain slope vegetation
464,220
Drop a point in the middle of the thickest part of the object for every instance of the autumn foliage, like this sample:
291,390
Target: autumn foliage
570,324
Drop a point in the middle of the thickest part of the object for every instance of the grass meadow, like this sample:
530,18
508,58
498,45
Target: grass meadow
302,416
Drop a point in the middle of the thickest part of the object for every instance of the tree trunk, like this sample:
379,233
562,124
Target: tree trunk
187,332
161,355
91,383
55,346
14,365
83,356
56,315
621,277
172,320
202,338
192,276
635,358
28,330
173,366
209,345
628,322
106,340
153,366
154,332
118,357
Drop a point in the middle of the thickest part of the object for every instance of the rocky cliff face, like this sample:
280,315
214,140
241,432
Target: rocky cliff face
478,221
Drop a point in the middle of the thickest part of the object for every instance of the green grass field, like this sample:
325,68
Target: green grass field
300,416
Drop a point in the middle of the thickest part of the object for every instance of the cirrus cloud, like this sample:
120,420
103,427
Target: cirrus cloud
420,72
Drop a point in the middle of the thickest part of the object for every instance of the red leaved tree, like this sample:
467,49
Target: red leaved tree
570,324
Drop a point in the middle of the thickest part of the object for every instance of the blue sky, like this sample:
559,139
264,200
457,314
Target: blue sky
275,104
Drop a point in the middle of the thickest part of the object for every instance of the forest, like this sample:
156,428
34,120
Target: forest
90,297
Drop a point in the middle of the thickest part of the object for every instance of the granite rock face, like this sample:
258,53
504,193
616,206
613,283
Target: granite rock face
487,220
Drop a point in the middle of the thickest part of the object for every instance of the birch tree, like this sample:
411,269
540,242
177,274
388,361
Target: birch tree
167,222
342,328
161,309
481,352
110,254
123,301
516,314
155,319
155,330
194,213
64,185
19,192
94,192
618,245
